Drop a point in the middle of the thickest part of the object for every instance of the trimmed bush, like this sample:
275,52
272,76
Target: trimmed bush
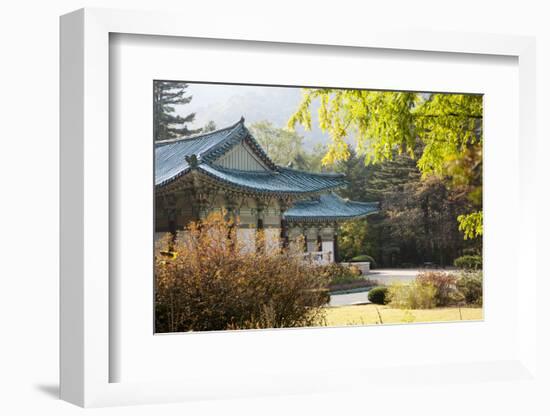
363,258
378,294
469,262
414,295
470,286
470,252
445,285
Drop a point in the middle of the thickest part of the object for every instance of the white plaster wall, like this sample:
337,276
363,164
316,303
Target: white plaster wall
247,236
272,238
294,232
328,246
311,246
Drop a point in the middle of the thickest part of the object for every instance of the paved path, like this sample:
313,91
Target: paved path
349,299
383,276
386,276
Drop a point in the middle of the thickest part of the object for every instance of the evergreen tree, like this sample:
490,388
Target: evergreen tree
167,124
417,221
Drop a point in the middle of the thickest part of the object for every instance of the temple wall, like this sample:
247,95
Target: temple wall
247,217
272,215
272,239
242,158
311,246
311,238
328,246
311,233
312,241
185,211
294,232
327,233
161,222
248,214
318,238
248,238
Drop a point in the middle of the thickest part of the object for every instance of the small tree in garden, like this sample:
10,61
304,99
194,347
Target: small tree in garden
213,282
445,285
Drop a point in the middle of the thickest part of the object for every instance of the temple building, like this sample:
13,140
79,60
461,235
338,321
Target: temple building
228,169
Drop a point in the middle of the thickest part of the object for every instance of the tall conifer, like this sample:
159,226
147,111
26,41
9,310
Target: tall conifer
167,123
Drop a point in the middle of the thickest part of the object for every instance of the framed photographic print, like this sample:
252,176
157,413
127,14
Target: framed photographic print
256,226
242,215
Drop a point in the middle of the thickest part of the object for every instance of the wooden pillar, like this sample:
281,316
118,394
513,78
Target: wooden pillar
284,204
335,244
232,207
284,233
261,205
170,213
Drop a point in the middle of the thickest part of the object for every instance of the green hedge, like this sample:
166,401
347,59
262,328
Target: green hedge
469,262
363,258
378,294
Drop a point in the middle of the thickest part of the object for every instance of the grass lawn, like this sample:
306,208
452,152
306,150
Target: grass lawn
370,315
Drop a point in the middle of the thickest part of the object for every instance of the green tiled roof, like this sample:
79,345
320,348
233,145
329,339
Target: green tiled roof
281,181
174,158
170,155
329,207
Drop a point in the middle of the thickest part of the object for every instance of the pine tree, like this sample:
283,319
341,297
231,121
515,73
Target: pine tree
168,124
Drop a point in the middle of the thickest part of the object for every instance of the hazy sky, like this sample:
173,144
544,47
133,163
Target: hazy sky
225,104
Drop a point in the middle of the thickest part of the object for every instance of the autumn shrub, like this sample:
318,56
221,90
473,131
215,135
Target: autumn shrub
378,295
337,274
214,282
470,286
469,262
413,295
444,283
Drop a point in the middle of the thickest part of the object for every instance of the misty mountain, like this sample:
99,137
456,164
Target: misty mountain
226,104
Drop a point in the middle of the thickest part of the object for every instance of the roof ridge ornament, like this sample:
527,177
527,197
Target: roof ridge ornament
192,160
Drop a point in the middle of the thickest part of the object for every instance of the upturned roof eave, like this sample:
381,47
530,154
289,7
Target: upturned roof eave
260,190
250,189
327,218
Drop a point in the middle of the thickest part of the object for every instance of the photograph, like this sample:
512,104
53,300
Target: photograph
280,206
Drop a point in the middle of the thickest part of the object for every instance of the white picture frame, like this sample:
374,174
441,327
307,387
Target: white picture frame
85,220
